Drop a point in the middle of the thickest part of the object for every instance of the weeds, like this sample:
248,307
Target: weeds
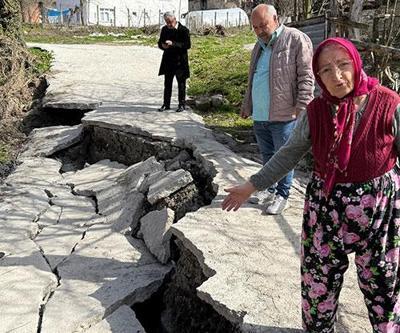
41,60
219,65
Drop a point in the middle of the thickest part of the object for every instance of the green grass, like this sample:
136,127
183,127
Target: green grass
87,35
42,61
4,156
219,65
225,117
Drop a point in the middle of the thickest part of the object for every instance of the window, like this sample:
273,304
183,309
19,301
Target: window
107,15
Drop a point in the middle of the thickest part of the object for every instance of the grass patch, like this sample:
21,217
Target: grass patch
225,117
41,60
4,156
53,34
219,65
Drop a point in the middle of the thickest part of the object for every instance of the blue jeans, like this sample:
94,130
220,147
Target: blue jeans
271,135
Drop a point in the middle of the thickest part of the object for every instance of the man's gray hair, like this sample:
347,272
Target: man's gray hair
169,14
267,8
271,10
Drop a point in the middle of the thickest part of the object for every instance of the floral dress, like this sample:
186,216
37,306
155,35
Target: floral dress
361,218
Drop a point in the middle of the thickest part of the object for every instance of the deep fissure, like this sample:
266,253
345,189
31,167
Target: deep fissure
175,307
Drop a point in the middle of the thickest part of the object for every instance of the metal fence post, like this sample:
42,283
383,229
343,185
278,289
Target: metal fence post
129,19
61,14
115,16
98,14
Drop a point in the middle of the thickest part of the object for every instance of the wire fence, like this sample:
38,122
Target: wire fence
96,14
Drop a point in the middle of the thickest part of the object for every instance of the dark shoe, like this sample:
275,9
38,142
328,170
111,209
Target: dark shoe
164,108
180,108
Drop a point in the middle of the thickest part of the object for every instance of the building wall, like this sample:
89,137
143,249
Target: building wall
133,13
124,13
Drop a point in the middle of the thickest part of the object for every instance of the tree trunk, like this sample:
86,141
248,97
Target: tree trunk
10,19
81,4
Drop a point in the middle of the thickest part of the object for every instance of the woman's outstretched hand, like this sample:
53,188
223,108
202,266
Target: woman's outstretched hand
237,195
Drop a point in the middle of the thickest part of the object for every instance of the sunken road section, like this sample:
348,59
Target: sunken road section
115,225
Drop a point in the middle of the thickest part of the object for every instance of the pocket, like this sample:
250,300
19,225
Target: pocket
285,57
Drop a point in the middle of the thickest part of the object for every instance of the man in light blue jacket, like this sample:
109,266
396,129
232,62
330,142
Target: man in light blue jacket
280,86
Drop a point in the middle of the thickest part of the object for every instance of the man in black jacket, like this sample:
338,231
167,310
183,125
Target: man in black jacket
174,41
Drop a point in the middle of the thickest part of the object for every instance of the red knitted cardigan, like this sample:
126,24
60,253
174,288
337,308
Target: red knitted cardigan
372,150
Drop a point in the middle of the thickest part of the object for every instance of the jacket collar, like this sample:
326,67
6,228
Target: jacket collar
273,38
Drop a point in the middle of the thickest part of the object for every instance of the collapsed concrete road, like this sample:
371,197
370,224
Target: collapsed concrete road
115,225
81,244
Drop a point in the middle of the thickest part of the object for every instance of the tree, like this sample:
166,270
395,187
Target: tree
10,19
81,3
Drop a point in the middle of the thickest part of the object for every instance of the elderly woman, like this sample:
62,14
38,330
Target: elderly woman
352,201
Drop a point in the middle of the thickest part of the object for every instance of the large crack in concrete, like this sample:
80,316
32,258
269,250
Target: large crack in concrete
119,146
49,294
203,292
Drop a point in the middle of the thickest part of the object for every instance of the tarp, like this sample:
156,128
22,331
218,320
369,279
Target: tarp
51,12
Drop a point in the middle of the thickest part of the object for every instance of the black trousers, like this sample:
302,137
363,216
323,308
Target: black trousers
181,79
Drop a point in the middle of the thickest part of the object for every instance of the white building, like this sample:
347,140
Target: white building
126,13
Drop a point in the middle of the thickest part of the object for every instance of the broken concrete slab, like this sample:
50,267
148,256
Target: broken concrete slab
152,179
95,177
49,140
182,130
53,100
58,238
176,163
122,320
133,176
50,217
154,229
70,201
106,270
168,185
36,172
120,208
176,128
114,251
58,241
28,202
19,209
260,296
25,284
78,304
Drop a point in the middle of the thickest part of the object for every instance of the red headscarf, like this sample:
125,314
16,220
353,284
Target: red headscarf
344,118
